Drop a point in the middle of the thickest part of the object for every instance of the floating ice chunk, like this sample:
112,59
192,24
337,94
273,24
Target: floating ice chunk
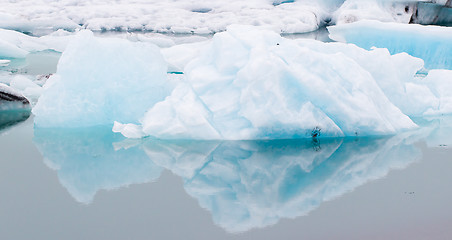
430,43
128,130
17,45
249,83
26,87
11,99
4,62
10,50
102,80
160,41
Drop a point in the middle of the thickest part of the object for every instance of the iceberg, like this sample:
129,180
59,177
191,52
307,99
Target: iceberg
11,99
102,80
245,83
4,62
430,43
249,83
14,107
18,45
27,87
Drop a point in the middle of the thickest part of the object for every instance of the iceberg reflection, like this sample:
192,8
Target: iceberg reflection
87,162
253,184
244,184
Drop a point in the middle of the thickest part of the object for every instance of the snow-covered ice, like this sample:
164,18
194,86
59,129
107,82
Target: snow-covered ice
381,10
161,16
431,43
190,16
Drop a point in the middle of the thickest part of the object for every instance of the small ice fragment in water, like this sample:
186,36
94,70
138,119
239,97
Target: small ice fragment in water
4,62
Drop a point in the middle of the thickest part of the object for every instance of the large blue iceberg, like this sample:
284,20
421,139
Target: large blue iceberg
245,83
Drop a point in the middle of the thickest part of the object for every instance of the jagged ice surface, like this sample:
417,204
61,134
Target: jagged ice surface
245,83
250,83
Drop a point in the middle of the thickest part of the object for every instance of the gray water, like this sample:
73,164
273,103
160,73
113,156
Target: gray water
94,184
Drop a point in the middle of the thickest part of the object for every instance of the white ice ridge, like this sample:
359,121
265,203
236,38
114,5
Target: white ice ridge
187,16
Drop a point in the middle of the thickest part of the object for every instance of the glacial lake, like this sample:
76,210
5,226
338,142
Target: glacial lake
94,184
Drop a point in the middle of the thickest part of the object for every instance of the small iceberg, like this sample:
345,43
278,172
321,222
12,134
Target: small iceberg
14,107
4,62
10,99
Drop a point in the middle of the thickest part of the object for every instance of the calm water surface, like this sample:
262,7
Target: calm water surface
94,184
